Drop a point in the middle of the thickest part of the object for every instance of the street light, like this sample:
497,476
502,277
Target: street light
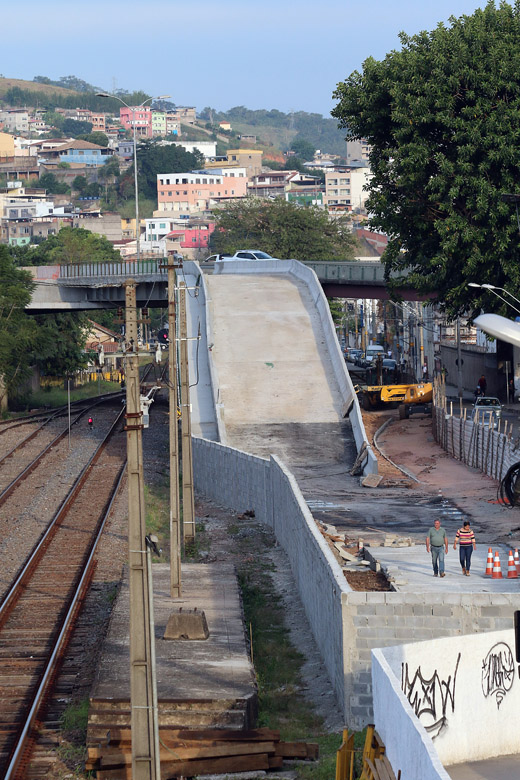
493,288
133,109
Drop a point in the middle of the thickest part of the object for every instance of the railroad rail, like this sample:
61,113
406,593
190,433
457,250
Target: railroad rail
38,612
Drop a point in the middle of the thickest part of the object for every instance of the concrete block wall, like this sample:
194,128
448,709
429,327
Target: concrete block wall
374,620
475,444
240,481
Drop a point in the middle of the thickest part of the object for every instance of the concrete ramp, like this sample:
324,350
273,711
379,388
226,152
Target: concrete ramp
269,352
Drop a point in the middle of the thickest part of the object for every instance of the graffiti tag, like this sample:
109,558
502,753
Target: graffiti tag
498,672
430,697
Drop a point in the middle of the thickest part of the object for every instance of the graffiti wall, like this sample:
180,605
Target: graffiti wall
462,692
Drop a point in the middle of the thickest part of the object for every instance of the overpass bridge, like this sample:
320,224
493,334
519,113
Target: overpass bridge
86,286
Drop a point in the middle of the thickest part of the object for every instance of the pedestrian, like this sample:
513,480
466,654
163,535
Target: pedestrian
437,542
482,384
90,423
466,539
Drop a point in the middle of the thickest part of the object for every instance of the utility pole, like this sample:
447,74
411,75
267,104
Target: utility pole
143,694
188,504
175,513
459,362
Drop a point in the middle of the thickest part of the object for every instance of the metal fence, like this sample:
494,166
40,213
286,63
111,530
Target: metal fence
128,268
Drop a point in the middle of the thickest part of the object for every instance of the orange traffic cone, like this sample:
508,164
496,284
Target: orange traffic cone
497,571
489,564
517,561
512,573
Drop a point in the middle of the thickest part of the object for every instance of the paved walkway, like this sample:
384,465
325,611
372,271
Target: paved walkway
499,768
412,569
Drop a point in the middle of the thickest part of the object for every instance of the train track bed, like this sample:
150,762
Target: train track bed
31,621
27,511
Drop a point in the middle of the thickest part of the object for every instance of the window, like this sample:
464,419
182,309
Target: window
170,193
162,225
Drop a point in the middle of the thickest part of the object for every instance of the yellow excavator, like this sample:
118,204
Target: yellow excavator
410,397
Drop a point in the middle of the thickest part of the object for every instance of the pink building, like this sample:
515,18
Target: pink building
141,115
194,237
198,190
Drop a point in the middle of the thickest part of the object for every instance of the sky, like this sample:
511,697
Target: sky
282,54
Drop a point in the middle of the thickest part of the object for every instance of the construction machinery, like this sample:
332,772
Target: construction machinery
410,397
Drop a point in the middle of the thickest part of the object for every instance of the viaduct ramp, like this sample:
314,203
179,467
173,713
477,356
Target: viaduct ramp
282,384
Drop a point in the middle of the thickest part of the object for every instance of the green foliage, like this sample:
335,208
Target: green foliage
49,182
73,127
53,119
86,189
95,137
153,159
17,334
61,344
303,149
70,245
443,119
282,229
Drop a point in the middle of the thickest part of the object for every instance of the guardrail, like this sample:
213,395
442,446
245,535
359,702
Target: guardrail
128,268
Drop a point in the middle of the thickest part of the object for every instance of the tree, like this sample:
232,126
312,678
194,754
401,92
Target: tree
152,159
73,127
282,229
62,338
95,137
303,148
70,245
49,182
442,117
17,334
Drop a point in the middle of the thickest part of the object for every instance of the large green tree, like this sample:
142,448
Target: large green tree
442,116
284,230
18,337
70,245
154,158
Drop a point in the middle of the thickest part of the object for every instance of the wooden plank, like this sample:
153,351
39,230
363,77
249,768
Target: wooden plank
211,734
384,768
114,755
210,766
275,762
297,749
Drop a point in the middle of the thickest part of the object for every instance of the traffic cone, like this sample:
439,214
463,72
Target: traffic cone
497,571
517,561
512,573
489,564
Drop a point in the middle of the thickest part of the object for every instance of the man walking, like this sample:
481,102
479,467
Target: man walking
437,542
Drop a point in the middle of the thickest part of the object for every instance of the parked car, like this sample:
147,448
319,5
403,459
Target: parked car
351,354
487,410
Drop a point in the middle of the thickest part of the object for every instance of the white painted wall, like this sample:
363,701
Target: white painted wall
457,695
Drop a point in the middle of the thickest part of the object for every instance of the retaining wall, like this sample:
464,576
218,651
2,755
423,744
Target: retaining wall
240,481
447,701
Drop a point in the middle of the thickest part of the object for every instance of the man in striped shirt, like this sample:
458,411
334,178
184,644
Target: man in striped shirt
466,539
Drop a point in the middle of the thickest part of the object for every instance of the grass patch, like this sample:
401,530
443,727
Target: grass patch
75,718
157,503
57,396
193,549
278,664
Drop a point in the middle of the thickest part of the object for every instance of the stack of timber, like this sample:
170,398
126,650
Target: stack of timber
189,752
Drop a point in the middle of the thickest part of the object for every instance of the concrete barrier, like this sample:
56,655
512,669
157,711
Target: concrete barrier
447,701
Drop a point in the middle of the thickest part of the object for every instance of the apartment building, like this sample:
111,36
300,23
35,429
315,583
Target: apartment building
345,187
159,123
15,120
198,190
140,116
250,159
193,233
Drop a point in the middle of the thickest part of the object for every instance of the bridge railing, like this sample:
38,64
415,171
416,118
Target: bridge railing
348,271
128,268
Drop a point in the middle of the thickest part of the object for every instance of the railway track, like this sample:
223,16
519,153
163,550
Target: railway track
38,612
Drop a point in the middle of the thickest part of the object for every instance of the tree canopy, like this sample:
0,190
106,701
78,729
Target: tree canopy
17,335
284,230
154,158
442,116
70,245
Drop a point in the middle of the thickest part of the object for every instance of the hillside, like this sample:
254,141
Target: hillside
33,86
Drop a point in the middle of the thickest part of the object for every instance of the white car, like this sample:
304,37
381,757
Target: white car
251,254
